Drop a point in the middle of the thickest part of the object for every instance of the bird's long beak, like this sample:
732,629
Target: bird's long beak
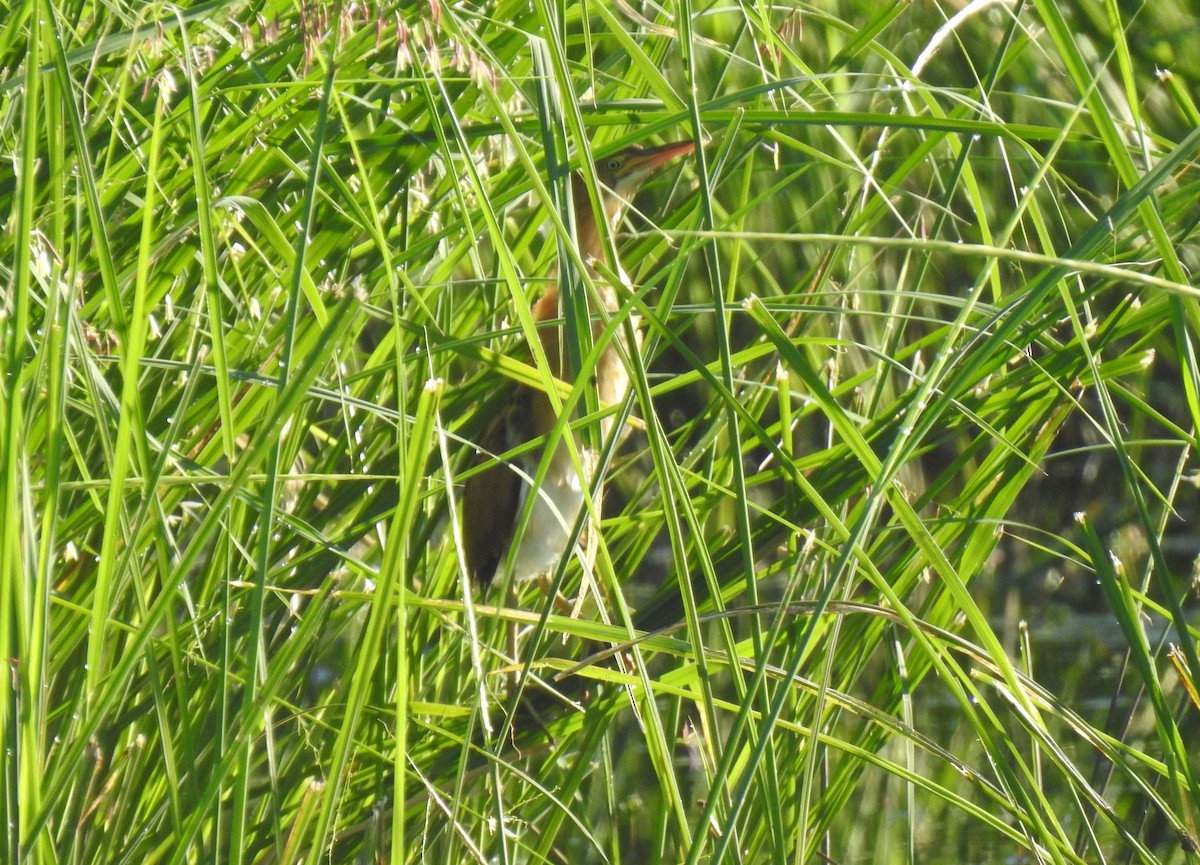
644,160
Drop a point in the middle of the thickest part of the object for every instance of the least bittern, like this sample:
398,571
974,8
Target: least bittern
493,500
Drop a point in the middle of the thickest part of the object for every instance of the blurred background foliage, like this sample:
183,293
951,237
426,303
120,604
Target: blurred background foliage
899,563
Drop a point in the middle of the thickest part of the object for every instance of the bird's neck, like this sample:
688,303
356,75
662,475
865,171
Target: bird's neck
548,307
590,246
591,249
587,230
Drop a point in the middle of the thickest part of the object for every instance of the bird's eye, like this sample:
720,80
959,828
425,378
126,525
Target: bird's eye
614,164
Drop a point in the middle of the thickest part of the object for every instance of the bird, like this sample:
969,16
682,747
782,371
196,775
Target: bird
495,497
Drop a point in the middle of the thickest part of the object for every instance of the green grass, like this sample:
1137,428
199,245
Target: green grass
899,565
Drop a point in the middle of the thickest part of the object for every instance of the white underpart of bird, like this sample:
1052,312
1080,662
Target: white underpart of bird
552,515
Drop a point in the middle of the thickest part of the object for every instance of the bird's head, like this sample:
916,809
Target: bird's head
621,175
624,172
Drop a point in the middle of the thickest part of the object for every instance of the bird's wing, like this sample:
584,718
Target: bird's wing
491,502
